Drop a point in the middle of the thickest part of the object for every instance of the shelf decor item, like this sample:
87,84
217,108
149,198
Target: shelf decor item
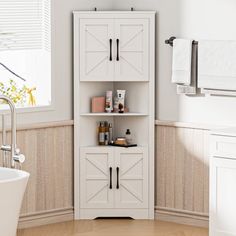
121,100
98,104
121,141
128,136
109,102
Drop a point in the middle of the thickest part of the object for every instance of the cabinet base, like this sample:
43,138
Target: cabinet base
95,213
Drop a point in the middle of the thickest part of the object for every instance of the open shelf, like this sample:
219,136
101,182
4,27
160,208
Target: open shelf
115,114
137,124
136,99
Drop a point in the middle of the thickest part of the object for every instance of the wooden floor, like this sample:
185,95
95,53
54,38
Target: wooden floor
114,228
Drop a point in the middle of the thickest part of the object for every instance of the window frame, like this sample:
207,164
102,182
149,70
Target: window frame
40,108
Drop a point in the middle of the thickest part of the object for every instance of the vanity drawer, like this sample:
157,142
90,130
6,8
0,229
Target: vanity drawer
223,146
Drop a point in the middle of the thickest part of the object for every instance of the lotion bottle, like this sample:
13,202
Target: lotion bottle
128,136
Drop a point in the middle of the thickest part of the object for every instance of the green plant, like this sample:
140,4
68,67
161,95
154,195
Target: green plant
20,95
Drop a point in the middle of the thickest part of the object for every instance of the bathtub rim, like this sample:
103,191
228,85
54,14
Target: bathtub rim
21,175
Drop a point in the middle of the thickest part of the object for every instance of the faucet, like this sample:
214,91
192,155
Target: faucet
16,156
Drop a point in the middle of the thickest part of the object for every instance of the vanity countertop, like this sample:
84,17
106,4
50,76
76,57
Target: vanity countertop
230,131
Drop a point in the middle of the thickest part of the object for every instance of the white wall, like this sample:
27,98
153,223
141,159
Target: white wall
62,74
201,19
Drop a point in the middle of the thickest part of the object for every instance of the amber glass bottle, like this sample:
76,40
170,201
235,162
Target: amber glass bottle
101,133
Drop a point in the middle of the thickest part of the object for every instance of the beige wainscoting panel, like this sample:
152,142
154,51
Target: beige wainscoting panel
49,160
182,170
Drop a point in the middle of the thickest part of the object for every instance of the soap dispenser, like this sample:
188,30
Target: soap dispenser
128,136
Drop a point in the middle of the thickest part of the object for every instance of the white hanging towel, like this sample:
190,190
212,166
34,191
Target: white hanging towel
181,62
217,65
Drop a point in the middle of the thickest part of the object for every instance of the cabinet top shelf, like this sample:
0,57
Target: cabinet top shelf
114,114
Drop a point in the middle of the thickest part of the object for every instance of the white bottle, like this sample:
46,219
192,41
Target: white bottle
128,136
109,102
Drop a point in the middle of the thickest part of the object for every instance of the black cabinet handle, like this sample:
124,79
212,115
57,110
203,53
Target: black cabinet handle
110,178
117,55
117,183
110,49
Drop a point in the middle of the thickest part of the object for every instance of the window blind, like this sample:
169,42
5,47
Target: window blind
47,25
24,24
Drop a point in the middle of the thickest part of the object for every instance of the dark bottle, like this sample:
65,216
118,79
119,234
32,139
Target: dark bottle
106,133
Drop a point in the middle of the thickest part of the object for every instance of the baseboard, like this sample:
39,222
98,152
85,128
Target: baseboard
182,217
161,213
47,217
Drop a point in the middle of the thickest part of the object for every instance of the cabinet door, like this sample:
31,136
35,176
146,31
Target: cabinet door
222,197
95,50
95,164
132,49
131,166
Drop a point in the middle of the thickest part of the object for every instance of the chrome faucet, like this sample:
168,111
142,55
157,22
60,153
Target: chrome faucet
16,156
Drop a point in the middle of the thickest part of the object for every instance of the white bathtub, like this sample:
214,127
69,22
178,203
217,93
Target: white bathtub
12,187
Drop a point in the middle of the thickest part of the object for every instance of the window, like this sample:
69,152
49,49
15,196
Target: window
25,49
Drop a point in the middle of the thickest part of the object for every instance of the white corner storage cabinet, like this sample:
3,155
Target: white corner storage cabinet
223,182
114,50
